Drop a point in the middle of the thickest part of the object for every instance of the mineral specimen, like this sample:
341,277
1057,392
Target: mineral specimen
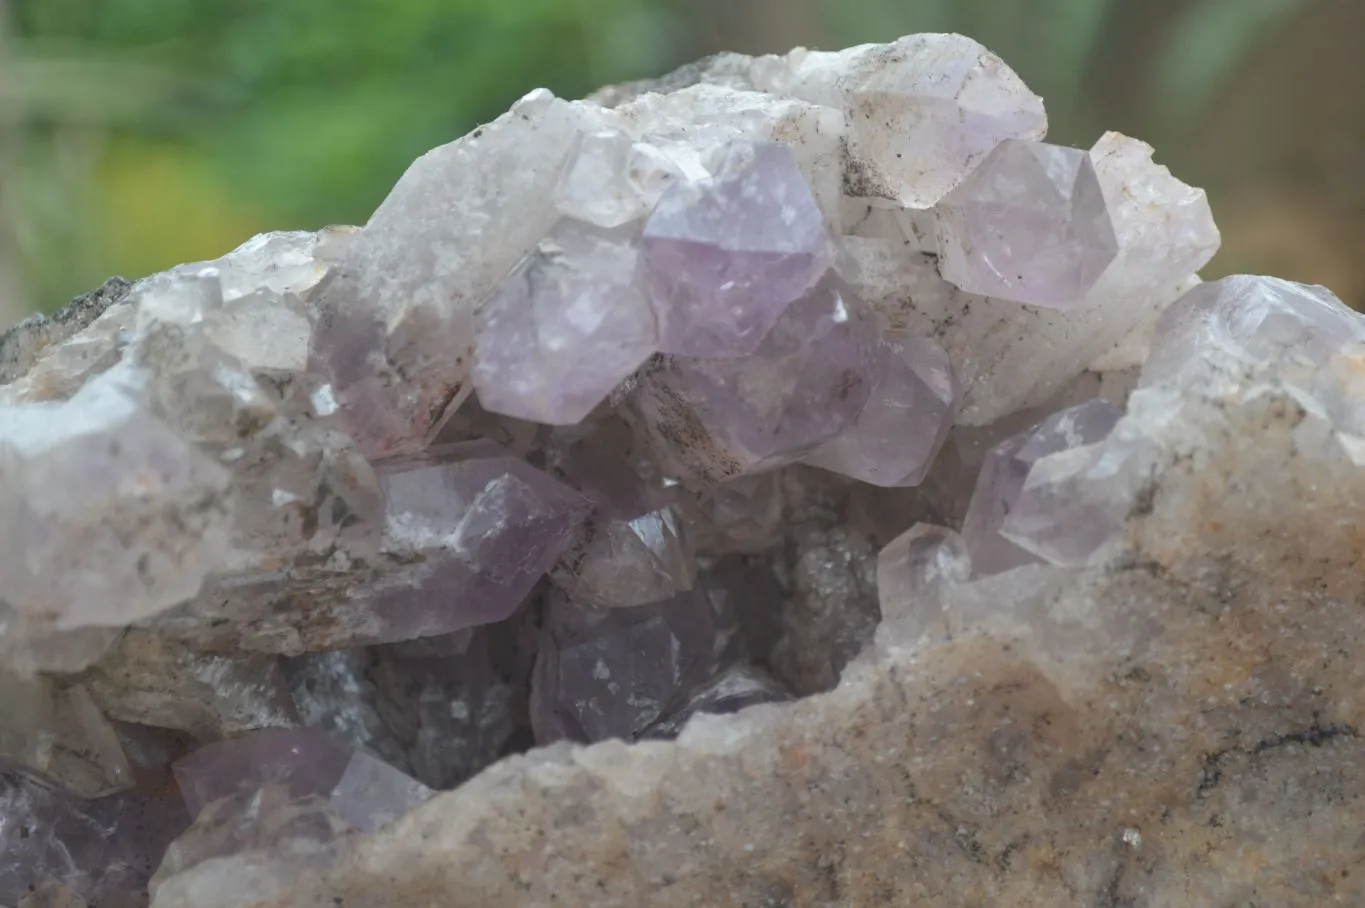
812,376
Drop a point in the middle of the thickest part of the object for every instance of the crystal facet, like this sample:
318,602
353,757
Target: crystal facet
1029,224
613,673
1006,469
564,328
106,515
914,571
922,111
362,790
483,527
806,382
726,256
104,849
905,421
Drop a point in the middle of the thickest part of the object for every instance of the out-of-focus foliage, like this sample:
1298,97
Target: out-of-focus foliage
156,131
160,130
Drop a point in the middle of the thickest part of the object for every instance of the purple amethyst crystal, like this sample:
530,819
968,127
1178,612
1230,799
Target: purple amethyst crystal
804,384
104,849
1007,468
360,789
612,673
481,526
636,548
563,330
905,421
1029,224
727,256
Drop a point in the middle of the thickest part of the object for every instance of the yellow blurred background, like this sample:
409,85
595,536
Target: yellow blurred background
136,134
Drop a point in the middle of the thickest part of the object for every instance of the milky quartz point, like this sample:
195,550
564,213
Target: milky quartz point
727,255
105,849
360,789
922,111
1029,225
482,526
151,680
904,423
565,327
914,573
396,335
612,673
106,515
1005,470
636,548
804,384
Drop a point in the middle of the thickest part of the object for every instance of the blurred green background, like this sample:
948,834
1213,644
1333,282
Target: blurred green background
135,134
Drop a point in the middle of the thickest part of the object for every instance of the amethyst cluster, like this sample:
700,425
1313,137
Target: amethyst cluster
600,422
